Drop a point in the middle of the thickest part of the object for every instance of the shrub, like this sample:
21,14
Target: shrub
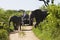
3,34
49,29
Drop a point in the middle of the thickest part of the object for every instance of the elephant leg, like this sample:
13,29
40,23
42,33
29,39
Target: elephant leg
15,27
20,27
36,24
31,22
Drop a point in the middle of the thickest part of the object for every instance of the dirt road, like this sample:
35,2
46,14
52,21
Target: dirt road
25,34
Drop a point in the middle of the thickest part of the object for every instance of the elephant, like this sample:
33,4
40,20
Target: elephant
16,22
39,15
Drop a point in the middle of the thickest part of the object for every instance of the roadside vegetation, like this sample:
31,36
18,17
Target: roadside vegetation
4,22
49,29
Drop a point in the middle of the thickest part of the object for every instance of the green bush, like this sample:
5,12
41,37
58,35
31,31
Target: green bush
49,29
3,34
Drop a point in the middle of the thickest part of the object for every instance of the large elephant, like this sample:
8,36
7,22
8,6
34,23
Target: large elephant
39,15
16,22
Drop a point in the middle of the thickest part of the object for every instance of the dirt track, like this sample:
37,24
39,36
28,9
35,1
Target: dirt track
25,34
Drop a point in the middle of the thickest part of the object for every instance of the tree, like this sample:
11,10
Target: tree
52,1
21,10
46,2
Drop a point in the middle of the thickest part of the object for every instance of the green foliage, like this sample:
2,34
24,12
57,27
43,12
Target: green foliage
49,29
37,32
3,34
4,22
11,27
27,12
